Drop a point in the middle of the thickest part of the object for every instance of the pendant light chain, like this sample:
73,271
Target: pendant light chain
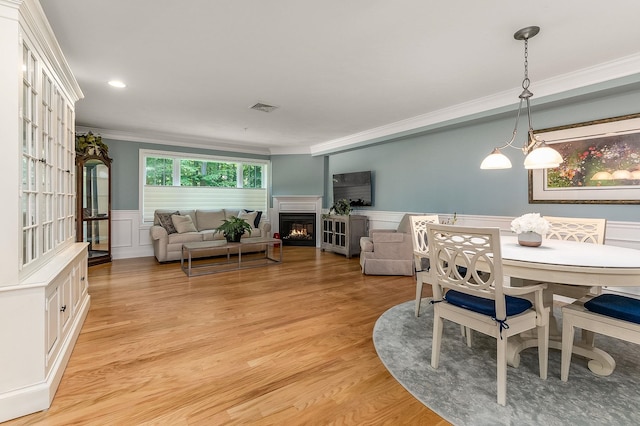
526,81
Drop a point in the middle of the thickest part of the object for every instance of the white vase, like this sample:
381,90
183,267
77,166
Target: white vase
529,239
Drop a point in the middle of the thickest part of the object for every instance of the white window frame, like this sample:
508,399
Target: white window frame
176,156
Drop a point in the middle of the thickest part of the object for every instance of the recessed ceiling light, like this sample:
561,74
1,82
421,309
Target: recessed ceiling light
117,83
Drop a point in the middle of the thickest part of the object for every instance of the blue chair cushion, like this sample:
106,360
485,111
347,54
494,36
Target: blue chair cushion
616,306
515,305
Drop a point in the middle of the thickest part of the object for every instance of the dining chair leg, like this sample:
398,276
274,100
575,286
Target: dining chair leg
466,333
418,294
502,371
436,340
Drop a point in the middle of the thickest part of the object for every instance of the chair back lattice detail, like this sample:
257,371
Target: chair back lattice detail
421,252
419,231
577,229
468,260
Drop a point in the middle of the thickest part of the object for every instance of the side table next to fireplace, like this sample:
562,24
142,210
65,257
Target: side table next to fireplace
341,233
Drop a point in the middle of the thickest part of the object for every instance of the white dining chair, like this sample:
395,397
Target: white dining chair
609,314
478,300
421,252
581,230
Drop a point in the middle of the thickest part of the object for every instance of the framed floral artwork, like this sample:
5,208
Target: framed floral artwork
601,163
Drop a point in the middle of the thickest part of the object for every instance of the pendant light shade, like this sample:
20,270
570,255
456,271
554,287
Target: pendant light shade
496,160
542,157
538,154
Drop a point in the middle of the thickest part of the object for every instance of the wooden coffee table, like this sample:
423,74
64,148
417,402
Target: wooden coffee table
222,256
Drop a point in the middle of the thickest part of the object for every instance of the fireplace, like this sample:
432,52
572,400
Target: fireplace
298,229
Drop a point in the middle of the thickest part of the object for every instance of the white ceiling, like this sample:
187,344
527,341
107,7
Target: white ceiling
341,72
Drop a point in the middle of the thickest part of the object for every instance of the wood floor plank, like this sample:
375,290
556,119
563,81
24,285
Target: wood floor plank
285,344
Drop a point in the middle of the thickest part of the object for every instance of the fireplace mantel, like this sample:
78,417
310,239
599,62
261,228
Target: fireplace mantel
296,204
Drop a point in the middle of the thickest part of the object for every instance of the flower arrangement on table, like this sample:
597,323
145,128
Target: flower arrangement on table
530,228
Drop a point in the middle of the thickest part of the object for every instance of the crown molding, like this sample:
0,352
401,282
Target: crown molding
290,150
174,140
47,45
486,106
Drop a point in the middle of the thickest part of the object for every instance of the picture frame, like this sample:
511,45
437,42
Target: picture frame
601,163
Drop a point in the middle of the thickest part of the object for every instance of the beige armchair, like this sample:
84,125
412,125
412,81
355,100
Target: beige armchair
388,251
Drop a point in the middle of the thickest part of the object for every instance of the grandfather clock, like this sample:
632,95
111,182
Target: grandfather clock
93,200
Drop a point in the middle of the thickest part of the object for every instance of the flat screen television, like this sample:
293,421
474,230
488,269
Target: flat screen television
354,187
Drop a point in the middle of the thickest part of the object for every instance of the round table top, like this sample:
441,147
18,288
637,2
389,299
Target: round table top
570,253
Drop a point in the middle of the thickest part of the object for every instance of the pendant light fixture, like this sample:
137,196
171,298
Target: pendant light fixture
538,154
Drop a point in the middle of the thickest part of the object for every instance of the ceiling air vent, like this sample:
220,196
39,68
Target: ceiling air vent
263,107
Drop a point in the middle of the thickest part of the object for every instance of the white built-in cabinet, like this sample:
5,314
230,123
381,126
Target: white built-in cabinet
44,289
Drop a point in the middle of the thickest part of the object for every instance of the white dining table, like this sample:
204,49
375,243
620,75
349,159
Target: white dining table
570,263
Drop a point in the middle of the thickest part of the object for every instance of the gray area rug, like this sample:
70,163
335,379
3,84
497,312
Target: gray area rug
463,388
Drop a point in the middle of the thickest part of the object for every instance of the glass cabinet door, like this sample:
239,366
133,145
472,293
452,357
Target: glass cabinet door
95,209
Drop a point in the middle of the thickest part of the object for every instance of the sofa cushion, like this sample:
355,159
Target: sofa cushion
183,224
180,239
164,220
209,219
210,235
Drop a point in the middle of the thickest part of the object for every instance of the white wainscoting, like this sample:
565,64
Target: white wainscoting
623,234
130,237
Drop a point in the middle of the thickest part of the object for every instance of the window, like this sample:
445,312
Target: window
159,171
208,173
189,181
252,176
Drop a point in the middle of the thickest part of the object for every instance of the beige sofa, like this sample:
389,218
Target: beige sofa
388,251
167,240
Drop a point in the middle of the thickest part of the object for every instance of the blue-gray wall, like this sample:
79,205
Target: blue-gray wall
297,175
439,171
126,163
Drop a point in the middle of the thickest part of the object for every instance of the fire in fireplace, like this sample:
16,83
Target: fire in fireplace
298,229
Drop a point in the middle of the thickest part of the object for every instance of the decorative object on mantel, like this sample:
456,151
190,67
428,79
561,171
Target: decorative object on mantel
234,228
341,207
538,154
530,228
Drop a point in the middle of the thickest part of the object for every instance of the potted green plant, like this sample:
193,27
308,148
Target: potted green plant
341,207
234,228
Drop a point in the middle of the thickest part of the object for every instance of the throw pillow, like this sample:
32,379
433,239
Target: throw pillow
256,221
164,219
183,224
249,217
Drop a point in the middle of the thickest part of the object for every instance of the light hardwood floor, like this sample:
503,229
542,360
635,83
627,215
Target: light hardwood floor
286,344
